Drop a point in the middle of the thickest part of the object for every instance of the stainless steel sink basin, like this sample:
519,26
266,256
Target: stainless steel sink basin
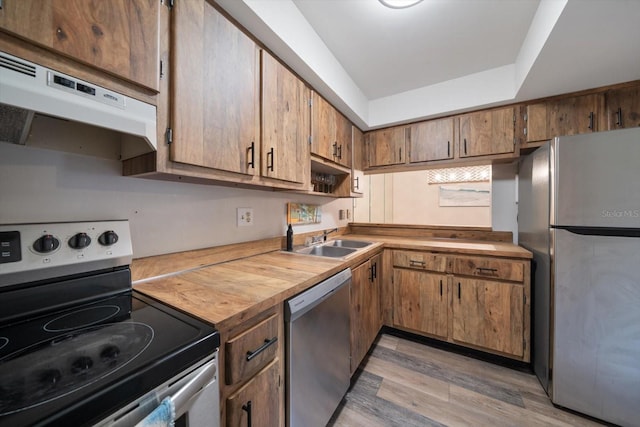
348,243
326,251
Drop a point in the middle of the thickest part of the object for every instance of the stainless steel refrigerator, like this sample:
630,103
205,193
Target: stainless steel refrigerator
579,213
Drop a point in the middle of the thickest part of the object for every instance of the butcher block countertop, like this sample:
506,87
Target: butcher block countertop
226,293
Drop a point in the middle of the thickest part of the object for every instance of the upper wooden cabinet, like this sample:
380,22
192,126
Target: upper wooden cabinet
357,147
330,132
623,108
431,140
386,147
562,117
120,37
215,95
487,132
285,123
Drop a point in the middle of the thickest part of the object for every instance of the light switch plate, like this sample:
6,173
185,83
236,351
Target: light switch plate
245,217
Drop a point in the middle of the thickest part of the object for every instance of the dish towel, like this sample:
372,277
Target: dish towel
163,416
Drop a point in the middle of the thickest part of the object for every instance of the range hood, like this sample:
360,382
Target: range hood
27,89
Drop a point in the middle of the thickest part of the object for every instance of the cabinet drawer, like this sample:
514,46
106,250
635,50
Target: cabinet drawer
251,350
420,260
490,268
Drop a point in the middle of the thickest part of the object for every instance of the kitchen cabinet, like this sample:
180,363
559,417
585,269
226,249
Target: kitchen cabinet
366,319
489,314
236,115
431,140
562,117
623,108
331,136
285,123
255,404
386,147
120,37
215,101
480,302
490,304
252,355
487,132
420,292
358,149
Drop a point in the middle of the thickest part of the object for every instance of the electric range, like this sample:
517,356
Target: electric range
76,342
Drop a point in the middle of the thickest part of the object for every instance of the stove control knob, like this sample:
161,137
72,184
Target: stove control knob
108,238
109,355
81,365
46,244
50,377
79,241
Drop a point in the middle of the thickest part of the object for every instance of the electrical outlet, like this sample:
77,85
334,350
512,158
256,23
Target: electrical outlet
245,217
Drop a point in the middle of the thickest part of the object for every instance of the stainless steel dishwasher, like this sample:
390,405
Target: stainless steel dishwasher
318,350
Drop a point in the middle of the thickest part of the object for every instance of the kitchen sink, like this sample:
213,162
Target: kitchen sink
326,251
348,243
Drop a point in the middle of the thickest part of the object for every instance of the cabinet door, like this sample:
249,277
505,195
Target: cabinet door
537,123
386,147
215,93
489,314
285,123
323,129
117,36
420,301
259,399
365,308
487,132
572,116
343,138
623,108
357,149
431,140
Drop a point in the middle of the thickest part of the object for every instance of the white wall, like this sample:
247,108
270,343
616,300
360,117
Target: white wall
504,203
406,198
39,185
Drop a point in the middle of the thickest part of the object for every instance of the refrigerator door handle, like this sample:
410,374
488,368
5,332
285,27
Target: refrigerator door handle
600,231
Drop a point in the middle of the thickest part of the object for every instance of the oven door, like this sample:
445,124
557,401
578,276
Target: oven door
195,394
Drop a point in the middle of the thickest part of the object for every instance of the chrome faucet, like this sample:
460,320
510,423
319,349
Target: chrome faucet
321,237
324,233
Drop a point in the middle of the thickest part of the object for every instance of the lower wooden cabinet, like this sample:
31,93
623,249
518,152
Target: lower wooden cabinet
256,404
421,301
252,355
489,314
476,301
366,319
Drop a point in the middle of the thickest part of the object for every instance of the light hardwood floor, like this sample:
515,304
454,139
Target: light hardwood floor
403,383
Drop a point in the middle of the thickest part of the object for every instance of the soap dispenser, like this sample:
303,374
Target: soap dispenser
289,238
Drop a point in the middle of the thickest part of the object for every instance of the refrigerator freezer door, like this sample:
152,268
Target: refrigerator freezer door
596,356
597,179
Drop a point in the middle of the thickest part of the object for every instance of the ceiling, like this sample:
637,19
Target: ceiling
388,51
382,66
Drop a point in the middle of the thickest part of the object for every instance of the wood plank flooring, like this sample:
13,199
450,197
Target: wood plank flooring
404,383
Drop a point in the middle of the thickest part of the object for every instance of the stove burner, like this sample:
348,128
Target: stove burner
82,318
3,341
73,361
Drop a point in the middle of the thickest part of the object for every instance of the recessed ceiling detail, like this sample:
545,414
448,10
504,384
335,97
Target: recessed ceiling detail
382,67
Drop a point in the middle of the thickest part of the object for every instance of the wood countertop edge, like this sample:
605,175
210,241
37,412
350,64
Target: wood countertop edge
250,309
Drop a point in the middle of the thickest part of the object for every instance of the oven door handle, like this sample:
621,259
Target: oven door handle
190,389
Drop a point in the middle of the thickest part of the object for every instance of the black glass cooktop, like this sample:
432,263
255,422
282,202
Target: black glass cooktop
76,366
